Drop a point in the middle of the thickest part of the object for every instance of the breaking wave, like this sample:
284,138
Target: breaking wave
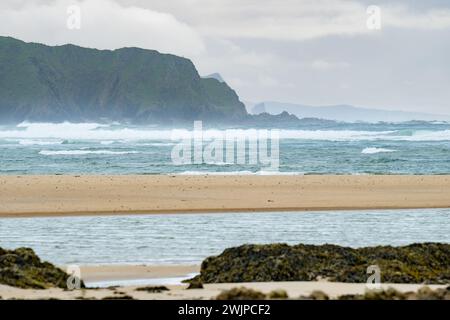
82,152
376,150
107,133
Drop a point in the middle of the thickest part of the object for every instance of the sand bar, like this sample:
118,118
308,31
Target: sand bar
32,195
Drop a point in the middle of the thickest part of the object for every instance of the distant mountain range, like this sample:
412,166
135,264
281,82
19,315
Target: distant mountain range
70,83
345,113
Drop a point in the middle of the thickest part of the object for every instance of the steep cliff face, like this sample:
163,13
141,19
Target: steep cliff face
70,83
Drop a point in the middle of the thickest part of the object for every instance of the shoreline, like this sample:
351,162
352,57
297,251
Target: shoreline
202,211
88,195
210,291
163,282
125,280
122,272
128,275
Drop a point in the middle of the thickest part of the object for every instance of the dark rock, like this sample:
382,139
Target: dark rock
157,289
316,295
125,297
241,294
278,294
195,284
85,298
416,263
22,268
424,293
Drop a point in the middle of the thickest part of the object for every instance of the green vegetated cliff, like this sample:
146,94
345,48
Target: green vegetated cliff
70,83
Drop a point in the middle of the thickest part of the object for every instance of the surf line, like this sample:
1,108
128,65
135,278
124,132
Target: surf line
239,144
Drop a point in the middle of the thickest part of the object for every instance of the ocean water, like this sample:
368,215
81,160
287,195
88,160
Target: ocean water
189,238
404,148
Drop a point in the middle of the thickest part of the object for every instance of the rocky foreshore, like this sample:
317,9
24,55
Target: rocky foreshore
425,293
276,271
426,263
22,268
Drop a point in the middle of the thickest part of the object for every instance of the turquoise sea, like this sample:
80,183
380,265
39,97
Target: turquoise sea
343,148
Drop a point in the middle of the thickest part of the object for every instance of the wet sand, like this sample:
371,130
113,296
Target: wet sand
106,273
59,195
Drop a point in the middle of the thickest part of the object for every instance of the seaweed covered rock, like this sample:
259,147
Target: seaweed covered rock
195,284
424,293
278,294
22,268
241,294
153,289
388,294
316,295
416,263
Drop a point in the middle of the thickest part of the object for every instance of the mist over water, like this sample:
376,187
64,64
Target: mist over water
66,148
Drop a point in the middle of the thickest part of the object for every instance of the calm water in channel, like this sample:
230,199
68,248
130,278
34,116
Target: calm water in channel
189,238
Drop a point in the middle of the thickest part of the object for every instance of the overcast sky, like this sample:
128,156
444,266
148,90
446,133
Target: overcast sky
316,52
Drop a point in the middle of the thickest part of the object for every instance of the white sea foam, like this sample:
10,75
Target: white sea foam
83,131
212,173
107,142
351,135
157,144
376,150
101,132
31,142
279,173
82,152
220,163
39,142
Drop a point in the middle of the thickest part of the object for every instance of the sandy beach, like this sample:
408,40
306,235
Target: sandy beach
118,273
114,273
179,292
22,196
294,289
95,273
